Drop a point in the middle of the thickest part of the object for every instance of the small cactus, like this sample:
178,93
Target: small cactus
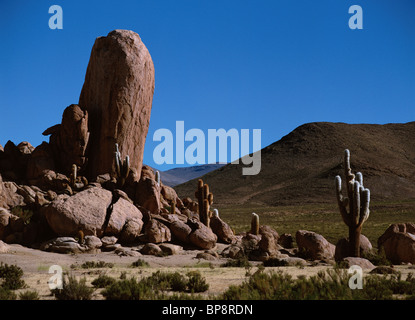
354,208
157,177
205,200
173,207
74,175
255,224
122,168
81,237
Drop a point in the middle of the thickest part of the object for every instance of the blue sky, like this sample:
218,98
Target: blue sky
269,65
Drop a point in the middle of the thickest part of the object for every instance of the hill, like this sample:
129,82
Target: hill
300,167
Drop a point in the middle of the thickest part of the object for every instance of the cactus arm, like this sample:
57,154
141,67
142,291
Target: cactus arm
342,202
356,203
364,213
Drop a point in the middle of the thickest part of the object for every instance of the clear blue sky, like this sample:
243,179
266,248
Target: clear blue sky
269,65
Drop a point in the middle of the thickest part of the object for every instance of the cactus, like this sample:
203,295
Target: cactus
173,207
354,208
74,175
157,177
255,224
81,237
205,200
122,168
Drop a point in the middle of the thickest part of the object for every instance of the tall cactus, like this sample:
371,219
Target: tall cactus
354,208
74,175
205,200
122,168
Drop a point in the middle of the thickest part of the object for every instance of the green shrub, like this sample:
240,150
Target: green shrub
7,294
96,264
140,263
72,289
238,263
20,212
29,295
11,276
330,285
103,281
196,283
129,289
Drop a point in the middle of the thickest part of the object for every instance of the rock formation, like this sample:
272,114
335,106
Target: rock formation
117,94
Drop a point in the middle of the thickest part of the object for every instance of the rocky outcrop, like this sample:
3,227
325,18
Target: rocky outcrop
69,139
117,94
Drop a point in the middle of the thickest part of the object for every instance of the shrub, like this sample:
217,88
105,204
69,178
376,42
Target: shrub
329,285
238,263
11,276
140,263
96,264
129,289
73,289
103,281
20,212
196,283
29,295
7,294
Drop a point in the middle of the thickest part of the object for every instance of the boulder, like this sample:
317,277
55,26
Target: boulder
131,230
156,232
180,231
268,244
92,242
361,262
170,249
147,195
222,230
202,237
119,102
4,248
314,246
398,243
233,251
4,222
63,245
91,211
342,248
151,249
40,160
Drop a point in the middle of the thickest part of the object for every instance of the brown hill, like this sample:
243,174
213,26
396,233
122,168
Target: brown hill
300,168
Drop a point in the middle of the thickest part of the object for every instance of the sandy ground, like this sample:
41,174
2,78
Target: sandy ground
36,265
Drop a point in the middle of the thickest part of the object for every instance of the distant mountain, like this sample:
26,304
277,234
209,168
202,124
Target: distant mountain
177,176
300,168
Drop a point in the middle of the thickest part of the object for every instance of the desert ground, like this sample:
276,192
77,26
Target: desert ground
36,264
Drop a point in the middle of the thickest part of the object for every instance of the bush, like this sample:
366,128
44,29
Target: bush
7,294
329,285
103,281
129,289
155,286
73,289
238,263
196,283
20,212
11,277
29,295
140,263
95,264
